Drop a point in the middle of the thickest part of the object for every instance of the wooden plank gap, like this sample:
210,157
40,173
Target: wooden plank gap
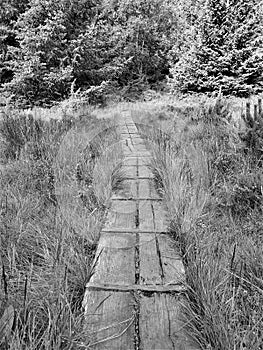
136,199
112,230
158,288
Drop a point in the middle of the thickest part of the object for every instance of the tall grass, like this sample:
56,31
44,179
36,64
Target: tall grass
45,256
213,191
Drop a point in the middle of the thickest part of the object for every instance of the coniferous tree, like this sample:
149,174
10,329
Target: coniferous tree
90,43
245,46
226,51
9,12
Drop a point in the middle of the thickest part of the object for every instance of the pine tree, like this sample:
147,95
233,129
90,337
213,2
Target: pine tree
9,12
245,45
44,62
226,52
91,43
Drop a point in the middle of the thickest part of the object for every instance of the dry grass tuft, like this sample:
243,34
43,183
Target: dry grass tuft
213,192
47,250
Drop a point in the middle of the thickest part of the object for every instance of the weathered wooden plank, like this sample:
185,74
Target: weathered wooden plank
137,178
153,190
145,171
126,132
150,269
109,320
178,333
160,219
160,325
123,131
147,189
137,287
126,142
127,148
144,188
141,149
132,128
121,215
137,140
114,260
146,216
172,264
155,323
128,190
138,199
144,155
133,160
109,303
129,171
122,126
128,153
129,161
144,161
133,231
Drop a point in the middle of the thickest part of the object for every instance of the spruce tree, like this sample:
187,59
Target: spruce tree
245,46
9,12
226,51
95,44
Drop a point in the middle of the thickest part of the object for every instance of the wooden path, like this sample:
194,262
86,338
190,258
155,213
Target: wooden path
133,298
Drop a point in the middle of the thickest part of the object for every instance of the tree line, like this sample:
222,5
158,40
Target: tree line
48,47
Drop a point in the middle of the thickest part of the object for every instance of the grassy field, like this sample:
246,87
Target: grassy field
52,208
208,168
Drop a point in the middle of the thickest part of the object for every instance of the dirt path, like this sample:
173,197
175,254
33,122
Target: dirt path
132,299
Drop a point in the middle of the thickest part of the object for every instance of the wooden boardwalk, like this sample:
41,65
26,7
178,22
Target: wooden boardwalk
132,300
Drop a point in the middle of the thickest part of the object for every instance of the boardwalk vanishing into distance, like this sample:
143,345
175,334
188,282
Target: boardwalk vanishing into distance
132,300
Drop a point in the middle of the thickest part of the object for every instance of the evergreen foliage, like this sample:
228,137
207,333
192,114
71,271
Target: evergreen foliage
226,50
91,43
47,47
9,12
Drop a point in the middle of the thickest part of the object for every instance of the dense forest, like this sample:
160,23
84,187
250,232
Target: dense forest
49,48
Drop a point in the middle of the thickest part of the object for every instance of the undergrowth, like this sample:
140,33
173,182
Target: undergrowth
45,255
209,173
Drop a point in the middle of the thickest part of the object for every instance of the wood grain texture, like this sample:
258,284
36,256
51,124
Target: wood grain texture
155,327
172,264
130,171
177,327
144,188
130,299
128,190
160,325
121,215
150,270
160,219
137,288
114,261
109,320
129,161
146,216
145,171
